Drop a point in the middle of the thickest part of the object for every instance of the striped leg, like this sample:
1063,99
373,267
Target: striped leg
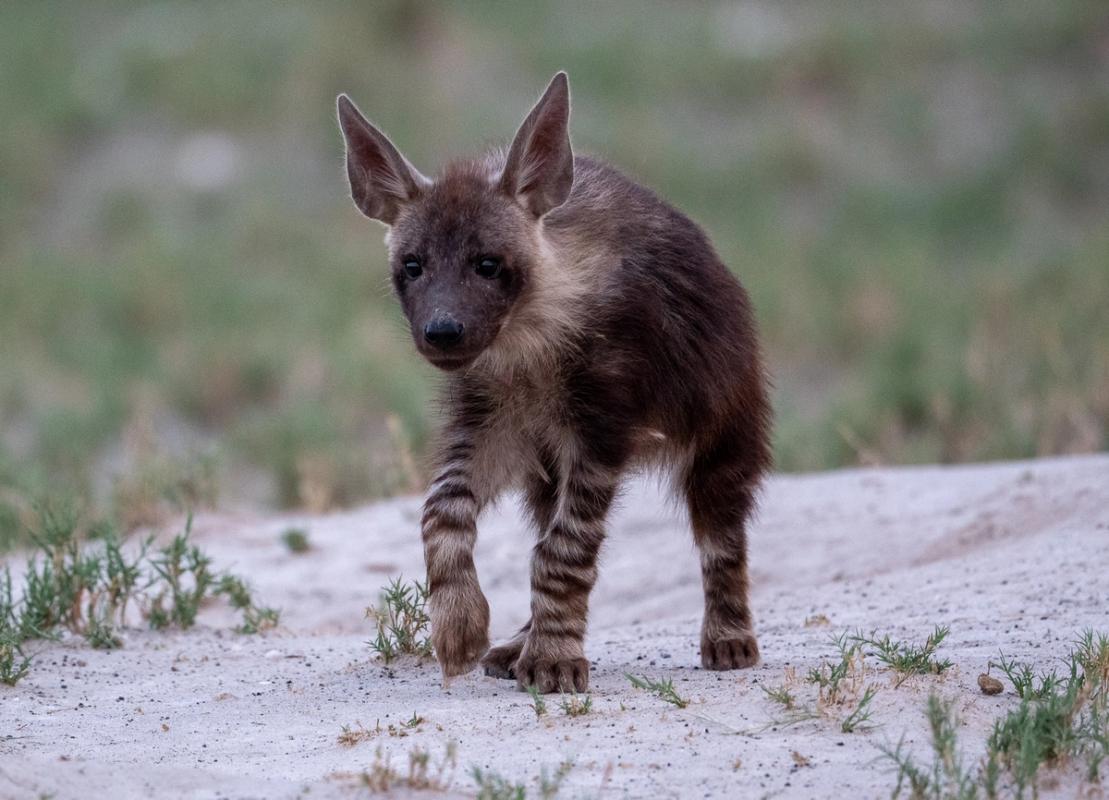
564,568
459,610
720,492
540,498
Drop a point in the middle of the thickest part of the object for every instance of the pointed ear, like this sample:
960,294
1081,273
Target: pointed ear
539,169
381,179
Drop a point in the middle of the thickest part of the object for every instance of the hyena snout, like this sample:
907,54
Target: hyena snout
443,332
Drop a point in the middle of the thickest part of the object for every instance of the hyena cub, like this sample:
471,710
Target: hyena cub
587,328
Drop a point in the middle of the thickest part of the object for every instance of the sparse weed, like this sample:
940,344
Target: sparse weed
908,659
664,689
13,662
1044,729
839,682
550,783
296,539
946,779
402,621
422,775
782,696
492,786
538,704
576,705
350,736
862,713
99,632
1059,718
1023,679
255,618
88,589
1092,655
186,580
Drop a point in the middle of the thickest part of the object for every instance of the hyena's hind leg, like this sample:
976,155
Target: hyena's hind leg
719,485
500,661
540,499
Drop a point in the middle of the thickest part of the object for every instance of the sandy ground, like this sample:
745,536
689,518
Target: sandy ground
1012,557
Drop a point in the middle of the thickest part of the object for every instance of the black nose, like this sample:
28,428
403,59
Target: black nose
443,332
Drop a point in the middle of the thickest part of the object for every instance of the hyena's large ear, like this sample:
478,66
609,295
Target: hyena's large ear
539,169
381,179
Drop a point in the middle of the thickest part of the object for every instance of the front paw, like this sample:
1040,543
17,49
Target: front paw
459,626
733,650
552,665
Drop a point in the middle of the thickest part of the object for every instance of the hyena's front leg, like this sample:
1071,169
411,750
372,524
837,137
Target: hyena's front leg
459,610
564,568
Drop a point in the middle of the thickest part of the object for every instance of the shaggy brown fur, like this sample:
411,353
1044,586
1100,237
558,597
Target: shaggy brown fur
587,328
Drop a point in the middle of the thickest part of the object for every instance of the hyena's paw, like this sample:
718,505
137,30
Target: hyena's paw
500,661
733,650
459,626
552,666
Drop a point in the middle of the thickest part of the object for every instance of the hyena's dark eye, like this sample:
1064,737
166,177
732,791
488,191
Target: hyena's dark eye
412,267
488,267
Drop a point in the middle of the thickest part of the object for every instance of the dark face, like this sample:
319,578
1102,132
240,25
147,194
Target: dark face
460,257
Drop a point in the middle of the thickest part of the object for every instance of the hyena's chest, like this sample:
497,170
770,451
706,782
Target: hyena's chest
525,434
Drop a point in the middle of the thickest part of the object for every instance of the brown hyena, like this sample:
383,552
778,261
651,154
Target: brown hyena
586,328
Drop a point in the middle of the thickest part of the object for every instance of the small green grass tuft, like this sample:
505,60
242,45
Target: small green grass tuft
349,735
908,659
14,664
576,705
1024,679
781,695
538,704
1069,720
402,621
1092,654
550,783
947,778
1059,719
424,773
862,713
492,786
296,539
255,618
664,689
839,681
89,586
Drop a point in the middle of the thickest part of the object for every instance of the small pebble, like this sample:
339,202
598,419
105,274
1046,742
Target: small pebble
989,685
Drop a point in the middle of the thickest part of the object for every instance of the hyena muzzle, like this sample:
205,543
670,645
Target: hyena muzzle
586,328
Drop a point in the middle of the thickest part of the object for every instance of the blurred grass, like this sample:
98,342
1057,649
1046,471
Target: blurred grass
917,196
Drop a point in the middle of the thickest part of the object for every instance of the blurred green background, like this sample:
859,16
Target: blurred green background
192,312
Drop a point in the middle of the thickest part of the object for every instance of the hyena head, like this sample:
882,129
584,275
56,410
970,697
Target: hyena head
465,249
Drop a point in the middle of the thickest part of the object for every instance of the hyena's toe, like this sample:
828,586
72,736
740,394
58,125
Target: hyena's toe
500,660
569,675
458,654
736,652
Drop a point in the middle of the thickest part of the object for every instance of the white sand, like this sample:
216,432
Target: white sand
1013,557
